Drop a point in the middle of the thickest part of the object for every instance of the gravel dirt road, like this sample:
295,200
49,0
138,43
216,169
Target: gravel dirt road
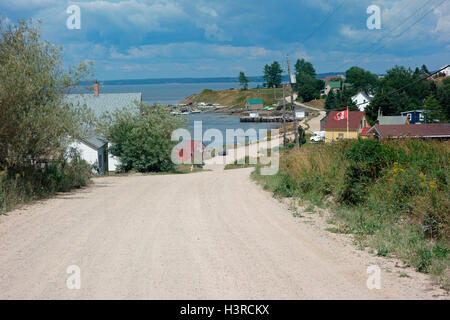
208,235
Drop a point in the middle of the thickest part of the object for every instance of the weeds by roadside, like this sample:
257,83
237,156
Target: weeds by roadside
32,183
393,195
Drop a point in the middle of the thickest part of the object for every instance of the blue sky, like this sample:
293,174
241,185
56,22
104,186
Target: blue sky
132,39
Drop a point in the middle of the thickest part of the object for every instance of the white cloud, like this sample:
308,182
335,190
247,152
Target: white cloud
193,49
132,14
443,22
208,11
213,32
29,4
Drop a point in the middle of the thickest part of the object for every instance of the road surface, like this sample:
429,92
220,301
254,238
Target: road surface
208,235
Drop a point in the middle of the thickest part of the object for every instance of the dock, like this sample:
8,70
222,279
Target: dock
265,119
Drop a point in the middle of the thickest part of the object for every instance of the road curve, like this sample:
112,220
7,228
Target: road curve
208,235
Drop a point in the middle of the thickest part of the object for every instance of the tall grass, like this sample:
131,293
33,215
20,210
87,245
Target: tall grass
394,195
32,183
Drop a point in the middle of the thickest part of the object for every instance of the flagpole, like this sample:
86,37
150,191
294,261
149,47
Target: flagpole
348,116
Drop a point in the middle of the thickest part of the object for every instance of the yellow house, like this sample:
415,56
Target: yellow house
336,125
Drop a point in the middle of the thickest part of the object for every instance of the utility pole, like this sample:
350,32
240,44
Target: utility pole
297,141
284,118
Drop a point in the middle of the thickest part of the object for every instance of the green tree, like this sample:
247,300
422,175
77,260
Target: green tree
35,123
272,74
443,95
401,89
305,67
433,110
307,92
330,101
141,137
308,86
361,79
243,81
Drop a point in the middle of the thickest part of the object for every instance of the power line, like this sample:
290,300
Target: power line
382,37
407,29
323,22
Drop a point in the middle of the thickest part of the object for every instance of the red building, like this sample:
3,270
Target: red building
191,152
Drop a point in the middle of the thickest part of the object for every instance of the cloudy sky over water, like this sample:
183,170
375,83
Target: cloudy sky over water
130,39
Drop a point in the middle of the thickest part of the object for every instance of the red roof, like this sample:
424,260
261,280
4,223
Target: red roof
364,131
329,78
354,121
430,130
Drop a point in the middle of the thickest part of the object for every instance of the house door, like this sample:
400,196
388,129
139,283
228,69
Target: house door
100,163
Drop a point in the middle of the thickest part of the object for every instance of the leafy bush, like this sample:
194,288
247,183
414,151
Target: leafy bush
141,137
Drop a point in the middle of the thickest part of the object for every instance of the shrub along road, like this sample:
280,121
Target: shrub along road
208,235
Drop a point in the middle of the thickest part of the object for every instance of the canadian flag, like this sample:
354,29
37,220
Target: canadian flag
341,115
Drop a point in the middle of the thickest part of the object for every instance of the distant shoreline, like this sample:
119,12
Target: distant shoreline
192,80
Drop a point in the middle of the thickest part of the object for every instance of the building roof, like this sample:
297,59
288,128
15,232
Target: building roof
333,84
387,120
94,142
105,101
431,130
365,95
329,78
354,121
365,131
419,111
255,101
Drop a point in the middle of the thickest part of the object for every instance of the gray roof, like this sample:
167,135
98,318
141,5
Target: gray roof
411,111
105,101
95,142
386,120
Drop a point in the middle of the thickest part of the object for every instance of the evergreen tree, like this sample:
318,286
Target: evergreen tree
433,110
330,101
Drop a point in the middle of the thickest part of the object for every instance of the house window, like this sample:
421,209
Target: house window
341,136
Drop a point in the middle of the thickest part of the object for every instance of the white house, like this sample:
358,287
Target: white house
446,71
362,100
94,150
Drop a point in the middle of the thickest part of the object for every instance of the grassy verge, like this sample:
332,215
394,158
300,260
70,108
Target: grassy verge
244,163
393,196
29,184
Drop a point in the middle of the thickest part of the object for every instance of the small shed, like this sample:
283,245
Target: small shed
94,150
254,104
300,113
